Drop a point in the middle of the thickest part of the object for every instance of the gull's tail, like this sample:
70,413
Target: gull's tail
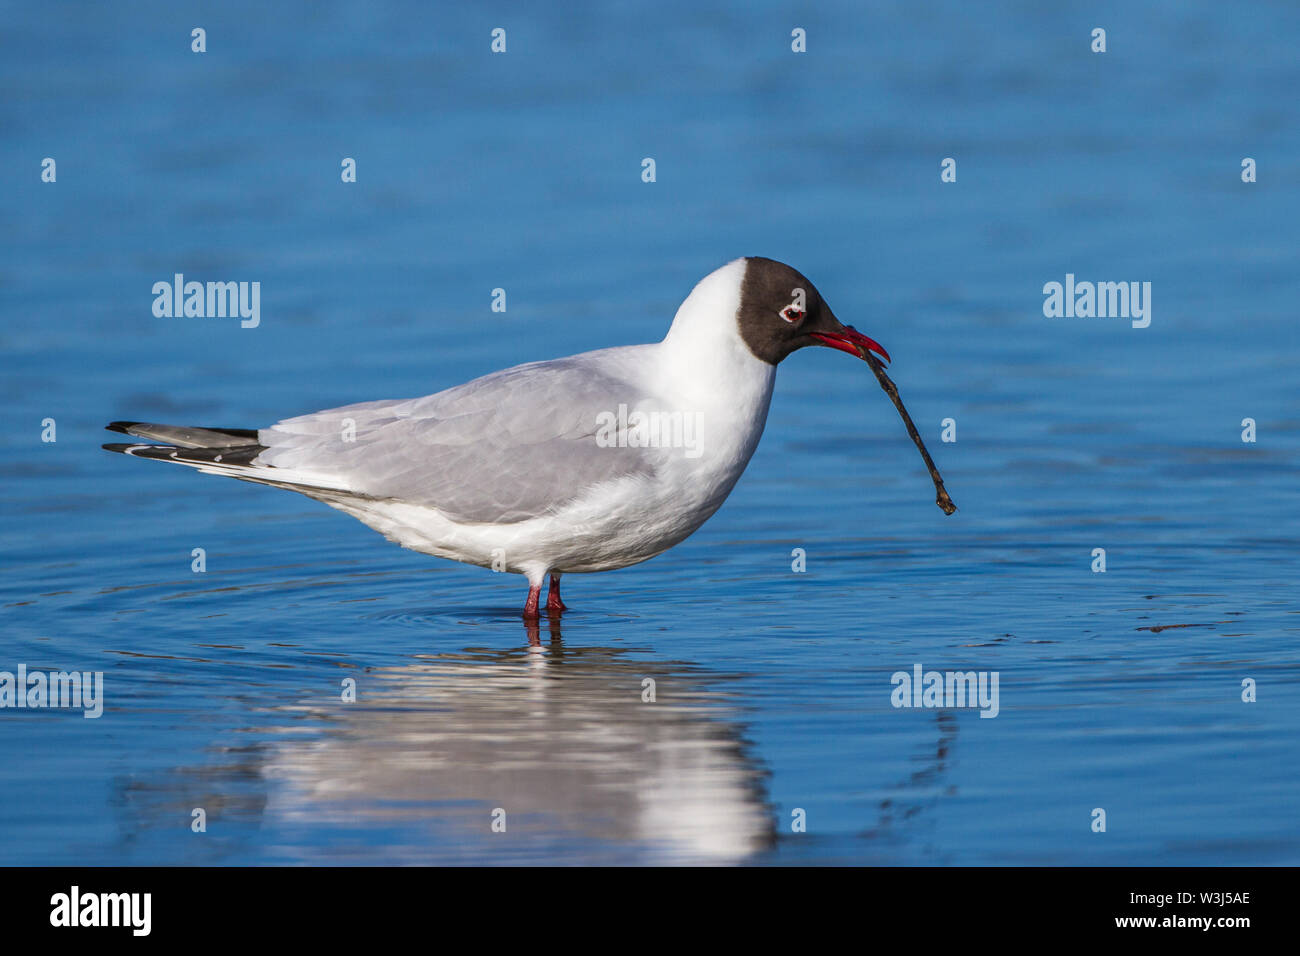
188,445
216,451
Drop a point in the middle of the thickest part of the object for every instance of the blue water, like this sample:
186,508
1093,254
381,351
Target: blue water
1119,691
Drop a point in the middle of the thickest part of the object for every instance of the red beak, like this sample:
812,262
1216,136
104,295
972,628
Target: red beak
852,341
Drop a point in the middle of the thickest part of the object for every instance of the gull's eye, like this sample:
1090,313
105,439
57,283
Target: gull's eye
791,314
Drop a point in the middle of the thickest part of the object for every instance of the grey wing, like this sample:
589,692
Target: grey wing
502,448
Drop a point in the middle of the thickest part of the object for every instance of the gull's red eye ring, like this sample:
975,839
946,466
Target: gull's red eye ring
791,314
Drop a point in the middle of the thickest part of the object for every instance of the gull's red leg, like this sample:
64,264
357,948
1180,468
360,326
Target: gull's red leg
534,595
553,602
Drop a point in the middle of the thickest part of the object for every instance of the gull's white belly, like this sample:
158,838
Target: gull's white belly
613,525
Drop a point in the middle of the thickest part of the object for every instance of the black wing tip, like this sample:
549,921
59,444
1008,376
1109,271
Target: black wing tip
232,456
235,432
126,428
147,450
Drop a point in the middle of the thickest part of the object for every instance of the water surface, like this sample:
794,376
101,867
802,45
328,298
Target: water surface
1119,690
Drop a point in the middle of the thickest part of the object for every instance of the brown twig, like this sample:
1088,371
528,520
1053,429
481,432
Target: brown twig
941,496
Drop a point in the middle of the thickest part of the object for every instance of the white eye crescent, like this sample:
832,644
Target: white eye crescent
791,314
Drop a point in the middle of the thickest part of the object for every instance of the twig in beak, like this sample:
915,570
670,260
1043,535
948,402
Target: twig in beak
941,496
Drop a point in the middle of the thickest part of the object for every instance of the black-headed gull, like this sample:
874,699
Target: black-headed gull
578,464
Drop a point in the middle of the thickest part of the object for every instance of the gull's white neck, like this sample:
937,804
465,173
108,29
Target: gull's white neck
703,358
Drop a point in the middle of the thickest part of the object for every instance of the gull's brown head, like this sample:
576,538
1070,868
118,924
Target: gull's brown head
781,312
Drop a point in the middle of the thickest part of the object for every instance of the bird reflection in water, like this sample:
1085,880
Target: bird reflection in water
558,743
